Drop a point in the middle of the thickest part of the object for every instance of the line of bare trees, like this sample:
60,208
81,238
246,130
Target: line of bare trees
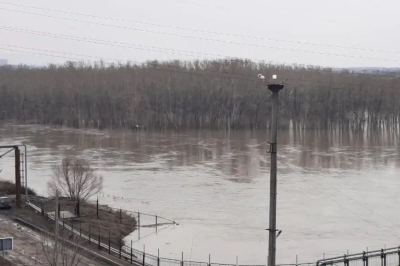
219,94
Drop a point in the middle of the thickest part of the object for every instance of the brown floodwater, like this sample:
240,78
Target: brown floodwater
337,191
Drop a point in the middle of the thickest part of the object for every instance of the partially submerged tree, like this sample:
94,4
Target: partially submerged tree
75,178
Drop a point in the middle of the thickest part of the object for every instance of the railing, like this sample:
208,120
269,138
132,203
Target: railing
383,257
128,253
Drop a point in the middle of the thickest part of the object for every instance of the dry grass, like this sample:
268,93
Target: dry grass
8,188
110,223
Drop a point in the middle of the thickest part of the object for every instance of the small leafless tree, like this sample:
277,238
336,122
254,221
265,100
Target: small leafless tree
66,252
75,178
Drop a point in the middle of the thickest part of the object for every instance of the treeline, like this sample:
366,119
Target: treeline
219,94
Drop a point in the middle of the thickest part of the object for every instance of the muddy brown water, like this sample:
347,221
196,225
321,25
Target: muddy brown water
337,191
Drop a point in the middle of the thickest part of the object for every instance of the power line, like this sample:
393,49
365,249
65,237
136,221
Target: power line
145,47
202,31
203,38
236,76
123,45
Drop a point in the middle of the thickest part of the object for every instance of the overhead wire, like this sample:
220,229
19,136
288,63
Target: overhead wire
202,38
43,52
133,46
151,48
158,67
199,30
112,43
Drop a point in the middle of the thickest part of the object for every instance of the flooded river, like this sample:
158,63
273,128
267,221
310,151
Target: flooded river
337,192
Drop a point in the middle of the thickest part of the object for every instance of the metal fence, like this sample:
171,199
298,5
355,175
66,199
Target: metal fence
126,252
383,257
104,241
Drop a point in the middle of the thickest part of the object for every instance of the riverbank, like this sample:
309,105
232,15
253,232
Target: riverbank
106,223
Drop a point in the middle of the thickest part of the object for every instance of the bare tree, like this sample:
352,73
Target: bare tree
165,95
66,252
75,178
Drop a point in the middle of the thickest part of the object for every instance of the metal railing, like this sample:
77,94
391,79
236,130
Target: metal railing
382,257
134,256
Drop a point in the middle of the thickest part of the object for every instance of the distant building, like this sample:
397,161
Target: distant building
3,62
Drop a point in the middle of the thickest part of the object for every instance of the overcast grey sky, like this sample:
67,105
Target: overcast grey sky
367,24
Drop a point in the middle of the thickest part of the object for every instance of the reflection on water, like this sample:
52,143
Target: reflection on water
332,185
238,154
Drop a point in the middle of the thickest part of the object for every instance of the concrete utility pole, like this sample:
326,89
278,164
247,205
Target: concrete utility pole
274,88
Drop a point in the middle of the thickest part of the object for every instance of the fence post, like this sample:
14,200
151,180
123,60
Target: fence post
120,215
365,259
296,260
97,208
99,238
63,222
209,259
346,261
42,209
78,208
158,258
182,259
383,258
156,225
120,246
139,225
144,254
89,234
59,210
109,242
80,227
131,252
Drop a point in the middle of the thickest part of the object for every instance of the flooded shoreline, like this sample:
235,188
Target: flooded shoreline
336,191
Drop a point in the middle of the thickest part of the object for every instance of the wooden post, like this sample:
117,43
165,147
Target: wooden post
80,227
209,259
97,208
182,259
17,176
89,234
59,210
42,209
156,225
120,215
